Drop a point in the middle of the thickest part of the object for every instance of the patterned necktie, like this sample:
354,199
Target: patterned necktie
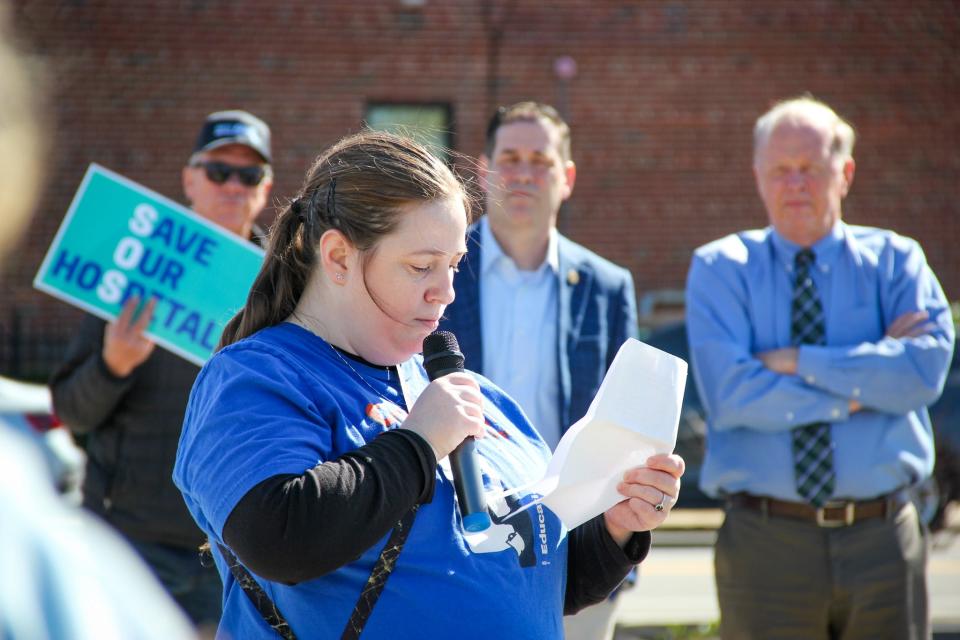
812,452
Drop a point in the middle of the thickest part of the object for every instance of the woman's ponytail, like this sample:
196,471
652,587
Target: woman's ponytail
282,278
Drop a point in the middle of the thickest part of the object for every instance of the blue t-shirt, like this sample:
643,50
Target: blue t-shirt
283,401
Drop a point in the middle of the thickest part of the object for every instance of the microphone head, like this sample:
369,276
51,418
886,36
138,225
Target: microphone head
440,341
441,354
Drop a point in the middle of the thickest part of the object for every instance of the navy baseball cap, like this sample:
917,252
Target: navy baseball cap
234,127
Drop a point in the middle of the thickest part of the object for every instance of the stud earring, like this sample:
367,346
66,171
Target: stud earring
339,277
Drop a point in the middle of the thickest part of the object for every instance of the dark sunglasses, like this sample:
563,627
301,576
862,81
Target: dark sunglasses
220,172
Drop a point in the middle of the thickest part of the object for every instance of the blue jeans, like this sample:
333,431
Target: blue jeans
195,588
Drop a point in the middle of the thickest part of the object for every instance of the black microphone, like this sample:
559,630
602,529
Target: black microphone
441,355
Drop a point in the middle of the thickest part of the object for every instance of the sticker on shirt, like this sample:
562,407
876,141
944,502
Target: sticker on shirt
524,533
386,414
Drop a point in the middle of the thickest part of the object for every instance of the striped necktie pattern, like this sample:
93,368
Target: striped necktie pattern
812,445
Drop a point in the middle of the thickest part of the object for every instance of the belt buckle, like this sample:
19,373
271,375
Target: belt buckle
848,514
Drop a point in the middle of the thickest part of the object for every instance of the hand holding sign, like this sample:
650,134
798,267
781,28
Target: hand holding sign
124,345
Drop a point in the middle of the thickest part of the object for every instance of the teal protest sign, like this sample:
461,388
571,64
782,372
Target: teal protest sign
120,239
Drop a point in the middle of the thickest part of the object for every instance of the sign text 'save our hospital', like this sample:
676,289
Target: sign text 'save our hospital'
149,264
121,240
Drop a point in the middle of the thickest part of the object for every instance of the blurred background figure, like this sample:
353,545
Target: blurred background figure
64,575
128,398
527,294
20,141
817,347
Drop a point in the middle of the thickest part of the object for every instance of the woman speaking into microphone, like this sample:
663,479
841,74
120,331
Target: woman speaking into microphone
314,452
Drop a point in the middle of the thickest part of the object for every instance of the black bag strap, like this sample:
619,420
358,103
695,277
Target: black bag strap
378,577
258,597
368,595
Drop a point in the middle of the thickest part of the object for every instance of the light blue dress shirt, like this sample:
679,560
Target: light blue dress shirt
519,328
739,292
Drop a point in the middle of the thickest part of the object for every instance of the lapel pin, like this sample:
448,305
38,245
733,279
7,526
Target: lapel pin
573,277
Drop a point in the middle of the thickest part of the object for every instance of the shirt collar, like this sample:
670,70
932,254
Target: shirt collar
491,252
826,248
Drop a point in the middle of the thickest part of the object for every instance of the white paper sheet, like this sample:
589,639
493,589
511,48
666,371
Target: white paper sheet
634,415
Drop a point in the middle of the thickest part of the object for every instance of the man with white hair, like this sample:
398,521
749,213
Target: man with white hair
817,347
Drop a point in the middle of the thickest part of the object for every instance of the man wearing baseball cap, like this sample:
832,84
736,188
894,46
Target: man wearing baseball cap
227,178
128,398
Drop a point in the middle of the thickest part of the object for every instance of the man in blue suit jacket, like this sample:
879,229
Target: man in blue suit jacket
538,314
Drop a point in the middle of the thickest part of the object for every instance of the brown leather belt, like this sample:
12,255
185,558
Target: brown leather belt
838,513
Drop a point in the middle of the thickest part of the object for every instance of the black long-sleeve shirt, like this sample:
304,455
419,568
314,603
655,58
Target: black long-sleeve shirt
132,425
352,502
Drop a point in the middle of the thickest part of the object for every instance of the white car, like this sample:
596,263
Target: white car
27,408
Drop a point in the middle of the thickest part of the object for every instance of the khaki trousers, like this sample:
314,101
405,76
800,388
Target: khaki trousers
785,578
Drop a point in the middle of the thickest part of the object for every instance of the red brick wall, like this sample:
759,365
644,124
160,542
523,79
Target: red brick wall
661,107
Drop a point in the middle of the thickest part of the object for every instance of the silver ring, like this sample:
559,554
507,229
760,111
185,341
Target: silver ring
659,506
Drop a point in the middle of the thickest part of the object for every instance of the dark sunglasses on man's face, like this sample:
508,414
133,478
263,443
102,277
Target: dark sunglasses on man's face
220,172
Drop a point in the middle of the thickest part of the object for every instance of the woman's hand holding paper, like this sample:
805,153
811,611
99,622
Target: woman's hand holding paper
650,492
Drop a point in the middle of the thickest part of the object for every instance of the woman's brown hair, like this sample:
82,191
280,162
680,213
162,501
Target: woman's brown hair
360,187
